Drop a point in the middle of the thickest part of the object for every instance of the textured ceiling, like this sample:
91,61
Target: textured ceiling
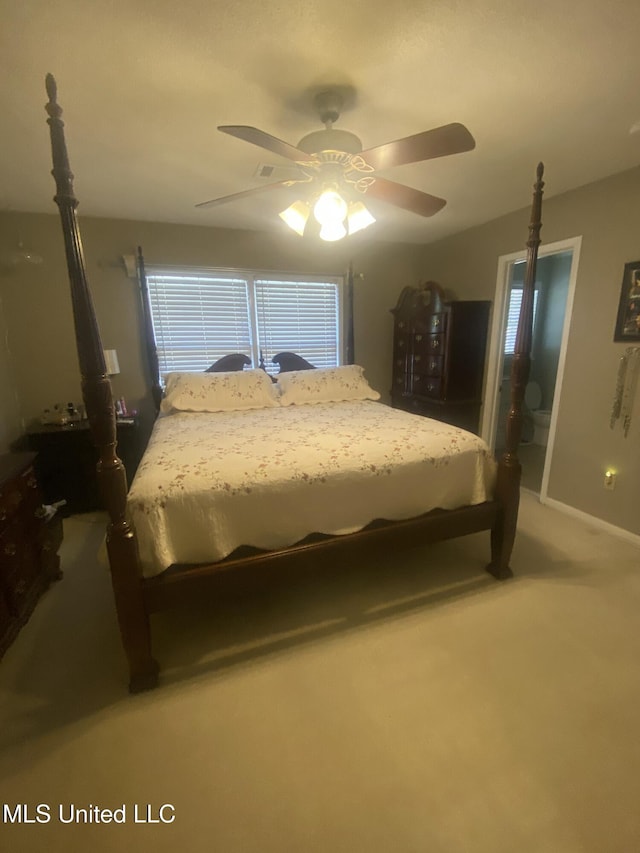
144,84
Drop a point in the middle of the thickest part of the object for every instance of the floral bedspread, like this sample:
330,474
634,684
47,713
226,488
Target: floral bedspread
209,483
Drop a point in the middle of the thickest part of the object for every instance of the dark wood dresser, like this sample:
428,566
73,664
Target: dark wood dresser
29,543
438,355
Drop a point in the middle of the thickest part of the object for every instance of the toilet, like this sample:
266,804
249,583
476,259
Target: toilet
541,417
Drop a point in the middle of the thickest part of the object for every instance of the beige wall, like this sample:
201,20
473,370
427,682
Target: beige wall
605,214
38,306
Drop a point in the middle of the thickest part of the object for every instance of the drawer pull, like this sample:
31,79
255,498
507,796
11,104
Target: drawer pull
436,321
418,338
435,343
10,550
417,358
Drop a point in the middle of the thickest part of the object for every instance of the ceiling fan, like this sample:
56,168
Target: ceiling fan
341,174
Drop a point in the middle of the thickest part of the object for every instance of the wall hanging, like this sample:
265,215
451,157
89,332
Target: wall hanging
626,382
628,321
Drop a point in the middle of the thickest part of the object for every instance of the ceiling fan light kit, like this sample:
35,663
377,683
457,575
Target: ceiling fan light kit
296,216
330,208
337,168
330,211
333,231
359,217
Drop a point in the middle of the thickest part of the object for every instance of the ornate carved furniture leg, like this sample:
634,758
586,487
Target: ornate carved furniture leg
126,574
509,468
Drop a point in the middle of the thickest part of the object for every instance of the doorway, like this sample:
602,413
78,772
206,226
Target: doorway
556,275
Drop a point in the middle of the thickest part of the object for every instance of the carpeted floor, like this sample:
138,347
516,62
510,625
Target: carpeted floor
410,704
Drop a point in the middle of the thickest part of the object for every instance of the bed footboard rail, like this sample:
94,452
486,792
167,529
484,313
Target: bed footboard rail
126,572
509,467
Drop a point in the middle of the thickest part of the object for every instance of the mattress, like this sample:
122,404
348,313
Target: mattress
211,482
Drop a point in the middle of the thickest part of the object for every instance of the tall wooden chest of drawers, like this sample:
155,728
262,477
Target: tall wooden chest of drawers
438,355
29,542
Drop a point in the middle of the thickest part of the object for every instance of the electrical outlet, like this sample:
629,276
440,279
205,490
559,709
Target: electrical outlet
610,480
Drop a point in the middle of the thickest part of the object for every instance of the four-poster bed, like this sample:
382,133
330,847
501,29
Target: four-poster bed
490,504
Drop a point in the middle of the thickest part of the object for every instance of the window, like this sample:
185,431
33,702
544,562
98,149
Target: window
513,313
200,315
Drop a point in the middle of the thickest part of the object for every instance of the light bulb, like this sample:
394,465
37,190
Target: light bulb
333,231
330,208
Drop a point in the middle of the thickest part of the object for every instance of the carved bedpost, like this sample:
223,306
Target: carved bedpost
126,574
149,336
349,347
509,468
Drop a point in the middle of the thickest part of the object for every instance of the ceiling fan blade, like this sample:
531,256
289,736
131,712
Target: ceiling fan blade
246,193
406,197
265,140
441,141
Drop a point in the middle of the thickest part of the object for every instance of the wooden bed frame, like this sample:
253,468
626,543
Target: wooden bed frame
137,597
286,361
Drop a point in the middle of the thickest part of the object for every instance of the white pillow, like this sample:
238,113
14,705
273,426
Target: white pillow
325,385
218,392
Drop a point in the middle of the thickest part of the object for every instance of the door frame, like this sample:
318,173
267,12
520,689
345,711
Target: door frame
498,330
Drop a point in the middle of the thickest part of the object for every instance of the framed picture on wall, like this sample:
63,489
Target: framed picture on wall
628,322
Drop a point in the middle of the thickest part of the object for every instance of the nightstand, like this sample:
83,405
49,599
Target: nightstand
67,459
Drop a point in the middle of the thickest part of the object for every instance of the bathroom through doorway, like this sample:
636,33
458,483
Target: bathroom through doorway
556,275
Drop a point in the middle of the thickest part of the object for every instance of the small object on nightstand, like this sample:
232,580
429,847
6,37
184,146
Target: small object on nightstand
61,415
72,413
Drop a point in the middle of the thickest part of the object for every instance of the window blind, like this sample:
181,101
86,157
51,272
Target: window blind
299,316
197,318
513,314
200,315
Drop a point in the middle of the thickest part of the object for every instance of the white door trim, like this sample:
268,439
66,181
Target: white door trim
494,363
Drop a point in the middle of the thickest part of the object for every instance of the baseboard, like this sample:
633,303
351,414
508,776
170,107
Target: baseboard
620,532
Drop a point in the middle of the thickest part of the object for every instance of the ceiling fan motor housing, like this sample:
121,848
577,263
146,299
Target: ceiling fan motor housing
330,140
329,104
